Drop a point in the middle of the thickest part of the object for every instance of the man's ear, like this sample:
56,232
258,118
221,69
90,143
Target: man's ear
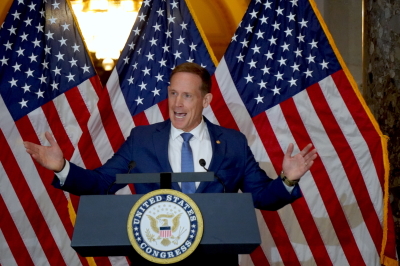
207,100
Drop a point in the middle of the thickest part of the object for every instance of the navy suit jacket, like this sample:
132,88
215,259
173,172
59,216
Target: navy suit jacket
232,161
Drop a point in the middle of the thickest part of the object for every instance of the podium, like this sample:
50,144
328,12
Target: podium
230,226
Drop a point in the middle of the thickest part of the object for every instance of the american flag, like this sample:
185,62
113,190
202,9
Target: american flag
47,83
163,36
283,81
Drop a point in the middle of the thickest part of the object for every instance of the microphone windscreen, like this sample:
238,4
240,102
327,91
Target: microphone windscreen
132,164
202,162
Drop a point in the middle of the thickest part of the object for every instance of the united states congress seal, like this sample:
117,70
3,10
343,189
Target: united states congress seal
165,226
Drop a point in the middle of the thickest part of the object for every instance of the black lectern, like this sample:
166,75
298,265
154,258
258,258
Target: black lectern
230,226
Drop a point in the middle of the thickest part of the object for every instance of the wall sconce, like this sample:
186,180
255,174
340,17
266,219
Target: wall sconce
105,25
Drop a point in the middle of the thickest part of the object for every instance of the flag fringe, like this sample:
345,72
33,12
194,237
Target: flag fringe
384,139
389,261
384,259
203,35
72,213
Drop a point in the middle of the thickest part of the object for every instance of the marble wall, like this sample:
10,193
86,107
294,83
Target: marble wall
382,82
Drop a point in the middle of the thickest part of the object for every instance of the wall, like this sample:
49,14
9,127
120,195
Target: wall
382,83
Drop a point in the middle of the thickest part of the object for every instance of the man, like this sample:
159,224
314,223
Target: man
157,148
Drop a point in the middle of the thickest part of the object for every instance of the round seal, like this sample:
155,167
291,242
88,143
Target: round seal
165,226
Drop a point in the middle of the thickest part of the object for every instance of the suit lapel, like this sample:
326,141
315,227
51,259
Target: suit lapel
218,145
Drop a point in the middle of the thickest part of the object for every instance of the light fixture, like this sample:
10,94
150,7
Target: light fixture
107,64
98,5
106,24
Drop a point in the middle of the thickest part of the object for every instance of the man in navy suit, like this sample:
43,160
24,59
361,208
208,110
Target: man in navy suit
156,148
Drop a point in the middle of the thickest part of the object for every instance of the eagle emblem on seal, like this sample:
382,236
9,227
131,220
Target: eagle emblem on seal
166,227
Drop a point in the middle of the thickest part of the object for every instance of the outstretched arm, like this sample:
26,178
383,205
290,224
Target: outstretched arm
50,157
294,167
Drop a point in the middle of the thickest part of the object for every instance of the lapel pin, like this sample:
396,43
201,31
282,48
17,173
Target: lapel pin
218,142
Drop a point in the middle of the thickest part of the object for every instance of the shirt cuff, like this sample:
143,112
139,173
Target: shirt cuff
288,188
62,175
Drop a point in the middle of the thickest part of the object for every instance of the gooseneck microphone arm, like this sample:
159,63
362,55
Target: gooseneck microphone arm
202,163
131,165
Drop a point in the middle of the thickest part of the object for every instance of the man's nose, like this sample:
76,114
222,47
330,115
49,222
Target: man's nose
179,101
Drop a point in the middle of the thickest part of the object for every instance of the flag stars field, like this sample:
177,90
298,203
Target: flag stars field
272,60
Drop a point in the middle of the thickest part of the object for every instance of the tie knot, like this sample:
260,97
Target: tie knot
186,136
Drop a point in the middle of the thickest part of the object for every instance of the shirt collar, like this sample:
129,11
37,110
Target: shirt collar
197,132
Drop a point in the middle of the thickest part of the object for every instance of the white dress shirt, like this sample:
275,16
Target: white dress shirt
200,144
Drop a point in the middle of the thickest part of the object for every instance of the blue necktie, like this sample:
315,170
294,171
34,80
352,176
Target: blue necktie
187,163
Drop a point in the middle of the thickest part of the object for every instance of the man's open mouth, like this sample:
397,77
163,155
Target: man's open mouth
180,115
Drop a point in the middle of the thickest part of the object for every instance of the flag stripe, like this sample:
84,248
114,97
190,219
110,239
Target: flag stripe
267,242
94,123
31,209
21,222
311,233
261,123
350,164
245,259
140,119
36,126
279,128
258,257
339,220
70,112
58,217
281,238
57,129
70,125
358,144
10,232
366,128
163,105
87,150
312,197
154,114
109,120
220,109
119,105
272,218
296,234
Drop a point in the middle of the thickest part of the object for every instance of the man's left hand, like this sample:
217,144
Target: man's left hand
294,167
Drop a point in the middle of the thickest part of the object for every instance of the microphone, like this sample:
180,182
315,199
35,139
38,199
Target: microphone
202,163
131,165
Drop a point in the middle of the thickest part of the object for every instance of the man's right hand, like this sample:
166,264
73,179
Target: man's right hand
50,157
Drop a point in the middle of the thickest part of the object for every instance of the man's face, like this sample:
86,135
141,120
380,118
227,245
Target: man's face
185,101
